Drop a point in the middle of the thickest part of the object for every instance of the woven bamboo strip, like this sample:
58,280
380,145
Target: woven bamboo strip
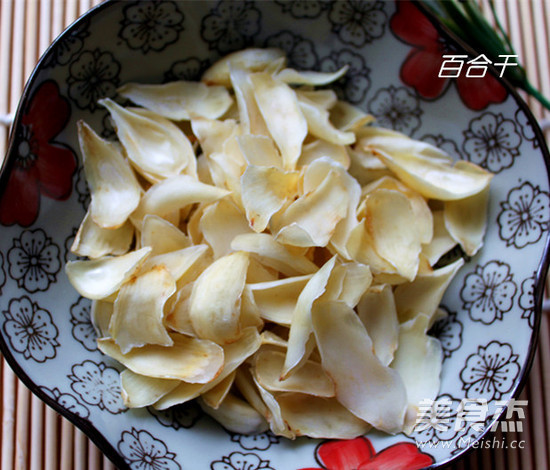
71,12
8,377
510,456
5,46
526,456
536,404
51,440
67,446
37,434
8,416
107,464
94,456
530,53
544,351
57,18
542,45
499,458
17,64
31,38
44,26
79,450
83,6
22,427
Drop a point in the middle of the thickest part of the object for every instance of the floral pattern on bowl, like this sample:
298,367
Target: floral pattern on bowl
493,304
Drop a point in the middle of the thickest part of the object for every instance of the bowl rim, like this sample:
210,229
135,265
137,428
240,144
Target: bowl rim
87,426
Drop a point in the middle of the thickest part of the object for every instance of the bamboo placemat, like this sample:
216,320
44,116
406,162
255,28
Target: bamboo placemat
34,437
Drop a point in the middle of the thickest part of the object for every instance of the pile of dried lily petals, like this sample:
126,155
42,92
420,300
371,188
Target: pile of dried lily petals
254,242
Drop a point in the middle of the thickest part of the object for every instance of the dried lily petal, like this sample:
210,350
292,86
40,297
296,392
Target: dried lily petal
466,221
321,148
345,116
312,218
281,112
94,241
418,361
424,294
277,299
177,314
99,278
250,117
259,150
175,193
234,355
183,393
392,221
274,414
156,147
215,301
301,327
100,316
309,379
216,395
325,98
265,190
114,189
139,391
212,134
420,208
196,361
220,223
244,384
357,279
250,313
360,246
365,167
236,415
272,339
441,242
377,311
138,316
306,77
250,60
320,418
162,236
435,179
179,262
394,142
319,125
366,387
273,254
258,272
180,99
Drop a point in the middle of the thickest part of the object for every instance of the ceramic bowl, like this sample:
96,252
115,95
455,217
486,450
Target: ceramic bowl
394,52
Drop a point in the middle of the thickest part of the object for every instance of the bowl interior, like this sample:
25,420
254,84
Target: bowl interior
493,304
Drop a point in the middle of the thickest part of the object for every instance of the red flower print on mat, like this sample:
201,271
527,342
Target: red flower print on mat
42,166
421,68
359,454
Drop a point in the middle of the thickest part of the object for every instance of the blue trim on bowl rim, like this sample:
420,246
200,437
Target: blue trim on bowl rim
85,425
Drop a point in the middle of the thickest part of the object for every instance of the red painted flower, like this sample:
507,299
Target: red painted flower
423,63
359,454
42,166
